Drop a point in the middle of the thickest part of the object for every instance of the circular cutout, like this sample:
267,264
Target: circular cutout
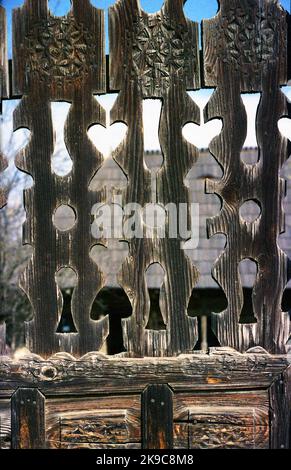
64,218
250,211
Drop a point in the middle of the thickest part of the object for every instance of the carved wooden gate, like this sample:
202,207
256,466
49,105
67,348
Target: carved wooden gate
159,393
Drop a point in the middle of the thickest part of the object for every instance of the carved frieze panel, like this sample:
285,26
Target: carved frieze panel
59,53
250,38
157,49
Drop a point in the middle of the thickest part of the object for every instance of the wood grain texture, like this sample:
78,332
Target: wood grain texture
155,56
93,421
5,424
157,417
60,58
4,350
96,373
280,411
3,88
245,51
27,419
238,420
4,82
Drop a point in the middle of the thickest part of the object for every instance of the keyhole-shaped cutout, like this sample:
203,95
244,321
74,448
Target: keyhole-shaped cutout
155,275
61,162
114,302
66,279
248,271
202,304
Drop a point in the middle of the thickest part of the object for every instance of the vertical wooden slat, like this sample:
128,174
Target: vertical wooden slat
3,346
155,56
28,419
245,51
157,417
3,87
280,412
60,58
3,56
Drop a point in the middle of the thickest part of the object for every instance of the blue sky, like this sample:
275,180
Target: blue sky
194,9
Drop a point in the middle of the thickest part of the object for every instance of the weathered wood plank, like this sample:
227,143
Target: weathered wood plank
3,88
245,51
27,419
157,417
280,411
107,374
60,58
98,420
4,81
3,346
186,404
228,437
155,56
217,420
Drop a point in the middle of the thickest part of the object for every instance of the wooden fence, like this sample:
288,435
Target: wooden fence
153,56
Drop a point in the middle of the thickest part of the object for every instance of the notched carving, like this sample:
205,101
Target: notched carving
59,49
250,38
162,50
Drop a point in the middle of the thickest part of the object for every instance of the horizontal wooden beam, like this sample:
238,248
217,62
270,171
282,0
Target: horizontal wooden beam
222,369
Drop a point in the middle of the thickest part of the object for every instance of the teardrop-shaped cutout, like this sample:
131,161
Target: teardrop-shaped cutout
66,279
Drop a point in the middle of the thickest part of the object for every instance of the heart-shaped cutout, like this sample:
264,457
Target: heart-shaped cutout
201,136
106,140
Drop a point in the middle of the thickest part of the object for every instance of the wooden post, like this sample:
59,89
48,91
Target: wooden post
279,393
157,417
28,419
